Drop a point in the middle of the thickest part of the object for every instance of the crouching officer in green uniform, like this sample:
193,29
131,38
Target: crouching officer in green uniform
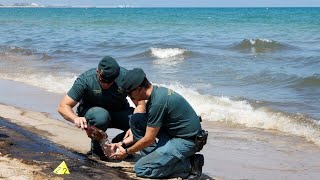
101,102
171,119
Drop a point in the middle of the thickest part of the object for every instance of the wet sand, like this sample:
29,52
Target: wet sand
232,152
42,157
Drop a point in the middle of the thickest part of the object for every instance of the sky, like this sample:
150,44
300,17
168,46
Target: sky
173,3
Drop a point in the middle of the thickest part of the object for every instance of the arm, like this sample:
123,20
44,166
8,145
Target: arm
140,106
128,138
66,111
148,139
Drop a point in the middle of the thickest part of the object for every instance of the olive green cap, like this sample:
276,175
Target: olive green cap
108,69
133,79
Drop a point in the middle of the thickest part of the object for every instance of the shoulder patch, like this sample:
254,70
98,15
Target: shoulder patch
170,92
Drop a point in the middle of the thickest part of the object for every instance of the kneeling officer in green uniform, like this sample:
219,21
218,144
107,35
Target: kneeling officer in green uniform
101,102
170,119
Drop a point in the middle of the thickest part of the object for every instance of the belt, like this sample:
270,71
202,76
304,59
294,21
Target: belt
190,138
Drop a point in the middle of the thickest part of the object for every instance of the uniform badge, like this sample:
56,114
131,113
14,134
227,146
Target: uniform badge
170,92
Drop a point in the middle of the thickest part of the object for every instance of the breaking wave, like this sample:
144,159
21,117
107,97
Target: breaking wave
30,67
213,108
167,53
52,82
259,45
168,56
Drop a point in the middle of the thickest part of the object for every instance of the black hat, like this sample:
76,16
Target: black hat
133,79
108,69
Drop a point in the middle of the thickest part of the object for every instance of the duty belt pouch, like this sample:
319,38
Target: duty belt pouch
201,139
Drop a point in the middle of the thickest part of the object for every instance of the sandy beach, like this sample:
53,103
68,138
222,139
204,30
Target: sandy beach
251,73
232,152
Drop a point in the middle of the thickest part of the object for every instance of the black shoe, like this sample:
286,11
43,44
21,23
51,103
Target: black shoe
197,161
118,137
99,156
96,151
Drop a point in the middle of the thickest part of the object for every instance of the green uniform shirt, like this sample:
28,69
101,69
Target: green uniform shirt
170,111
86,90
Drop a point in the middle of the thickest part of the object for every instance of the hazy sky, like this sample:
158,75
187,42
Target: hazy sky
174,3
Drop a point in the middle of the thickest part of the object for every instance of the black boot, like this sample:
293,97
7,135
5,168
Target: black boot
118,137
96,151
197,161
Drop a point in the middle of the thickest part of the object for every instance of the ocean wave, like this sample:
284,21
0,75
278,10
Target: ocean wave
168,56
52,82
258,45
14,52
306,82
241,112
265,77
168,53
30,67
211,108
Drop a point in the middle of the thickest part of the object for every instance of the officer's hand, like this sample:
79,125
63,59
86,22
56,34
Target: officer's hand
112,147
109,149
120,153
80,122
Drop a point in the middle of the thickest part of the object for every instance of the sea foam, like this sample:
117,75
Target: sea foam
213,108
165,53
49,82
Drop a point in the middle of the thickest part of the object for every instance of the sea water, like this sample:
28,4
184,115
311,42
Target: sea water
258,67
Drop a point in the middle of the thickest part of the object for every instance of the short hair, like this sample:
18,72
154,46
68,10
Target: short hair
145,83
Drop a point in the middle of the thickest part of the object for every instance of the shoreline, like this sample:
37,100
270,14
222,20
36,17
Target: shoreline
232,152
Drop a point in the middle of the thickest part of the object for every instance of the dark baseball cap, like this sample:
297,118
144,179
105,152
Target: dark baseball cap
133,79
108,69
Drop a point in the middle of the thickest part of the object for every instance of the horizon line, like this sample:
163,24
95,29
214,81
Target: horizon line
128,6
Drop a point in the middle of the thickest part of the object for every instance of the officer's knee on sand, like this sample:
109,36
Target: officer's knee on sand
142,171
148,168
98,117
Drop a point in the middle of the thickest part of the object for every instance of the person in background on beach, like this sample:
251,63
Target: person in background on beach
170,119
102,103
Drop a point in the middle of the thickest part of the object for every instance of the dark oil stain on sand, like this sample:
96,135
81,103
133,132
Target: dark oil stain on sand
32,149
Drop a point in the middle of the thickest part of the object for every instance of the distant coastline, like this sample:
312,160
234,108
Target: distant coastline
34,5
22,5
120,6
66,7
